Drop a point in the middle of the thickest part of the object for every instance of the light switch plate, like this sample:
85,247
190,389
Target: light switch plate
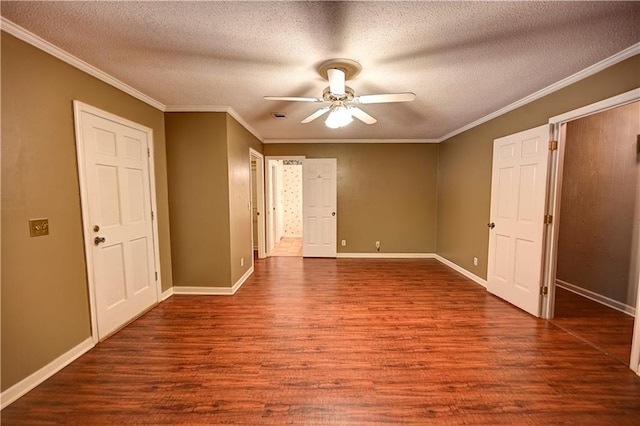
38,227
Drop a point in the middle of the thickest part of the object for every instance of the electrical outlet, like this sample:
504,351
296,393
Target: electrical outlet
242,261
344,243
378,245
475,261
38,227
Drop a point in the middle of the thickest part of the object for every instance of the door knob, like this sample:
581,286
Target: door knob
98,240
333,213
491,225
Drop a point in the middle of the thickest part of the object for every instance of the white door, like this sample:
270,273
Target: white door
118,218
319,200
518,202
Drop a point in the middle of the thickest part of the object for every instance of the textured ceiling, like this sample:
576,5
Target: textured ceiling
463,60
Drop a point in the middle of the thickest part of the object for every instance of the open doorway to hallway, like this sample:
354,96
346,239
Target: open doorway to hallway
284,207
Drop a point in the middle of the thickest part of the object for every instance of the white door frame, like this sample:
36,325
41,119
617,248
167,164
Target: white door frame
259,159
78,109
559,127
268,187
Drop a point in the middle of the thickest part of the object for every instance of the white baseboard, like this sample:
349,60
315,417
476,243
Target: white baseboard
213,291
377,255
439,258
166,294
604,300
461,270
33,380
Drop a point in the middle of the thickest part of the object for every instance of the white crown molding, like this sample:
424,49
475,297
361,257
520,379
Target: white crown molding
195,108
244,124
580,75
64,56
339,140
38,42
215,108
613,102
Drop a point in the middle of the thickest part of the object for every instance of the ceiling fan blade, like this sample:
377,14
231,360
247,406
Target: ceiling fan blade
315,115
386,97
336,81
291,99
362,116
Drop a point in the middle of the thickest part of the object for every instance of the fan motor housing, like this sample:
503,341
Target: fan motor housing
349,94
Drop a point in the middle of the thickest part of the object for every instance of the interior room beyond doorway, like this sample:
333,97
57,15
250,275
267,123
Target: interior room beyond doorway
597,261
285,199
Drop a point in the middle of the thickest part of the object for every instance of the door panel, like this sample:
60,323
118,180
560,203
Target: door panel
319,207
117,191
519,189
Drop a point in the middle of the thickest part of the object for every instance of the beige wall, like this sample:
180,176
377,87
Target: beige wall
599,191
198,198
386,192
239,140
45,310
464,175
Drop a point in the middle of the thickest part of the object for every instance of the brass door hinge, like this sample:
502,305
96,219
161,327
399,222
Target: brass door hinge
553,145
544,291
548,219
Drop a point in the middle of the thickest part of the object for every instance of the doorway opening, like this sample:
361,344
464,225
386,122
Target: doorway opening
596,261
594,236
257,205
284,206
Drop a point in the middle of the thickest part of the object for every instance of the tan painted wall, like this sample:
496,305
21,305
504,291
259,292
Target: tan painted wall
386,192
239,140
599,191
198,194
45,310
464,175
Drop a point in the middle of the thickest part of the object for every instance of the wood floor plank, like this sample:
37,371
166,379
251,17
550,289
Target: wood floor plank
339,341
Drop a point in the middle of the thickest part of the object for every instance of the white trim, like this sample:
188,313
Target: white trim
28,383
166,294
341,141
64,56
462,271
78,109
196,108
613,102
435,256
261,244
599,298
215,108
386,256
580,75
214,291
232,112
38,42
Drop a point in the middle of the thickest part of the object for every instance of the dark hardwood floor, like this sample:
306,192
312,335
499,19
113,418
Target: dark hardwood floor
346,341
605,328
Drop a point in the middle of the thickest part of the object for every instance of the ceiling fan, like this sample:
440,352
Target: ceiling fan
339,99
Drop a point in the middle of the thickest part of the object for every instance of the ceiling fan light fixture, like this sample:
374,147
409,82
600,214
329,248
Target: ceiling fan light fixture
339,116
